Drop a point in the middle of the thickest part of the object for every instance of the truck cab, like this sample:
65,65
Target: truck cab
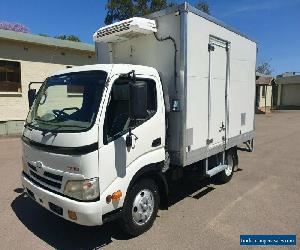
89,132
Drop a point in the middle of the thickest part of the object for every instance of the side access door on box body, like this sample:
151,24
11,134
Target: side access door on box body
217,91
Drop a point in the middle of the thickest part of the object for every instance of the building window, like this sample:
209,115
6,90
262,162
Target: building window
10,76
75,90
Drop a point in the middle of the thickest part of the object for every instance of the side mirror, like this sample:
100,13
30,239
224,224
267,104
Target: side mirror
138,100
31,96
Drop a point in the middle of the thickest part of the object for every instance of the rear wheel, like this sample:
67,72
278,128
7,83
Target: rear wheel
141,207
226,175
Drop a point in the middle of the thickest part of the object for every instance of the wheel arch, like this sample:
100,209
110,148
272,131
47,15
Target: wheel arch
153,171
235,156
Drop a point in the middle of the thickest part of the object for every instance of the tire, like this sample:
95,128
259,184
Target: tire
141,207
226,175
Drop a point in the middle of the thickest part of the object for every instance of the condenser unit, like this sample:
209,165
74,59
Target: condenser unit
125,30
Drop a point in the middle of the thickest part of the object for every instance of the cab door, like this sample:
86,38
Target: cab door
148,134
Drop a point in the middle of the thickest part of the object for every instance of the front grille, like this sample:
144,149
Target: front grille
53,176
52,180
46,181
32,167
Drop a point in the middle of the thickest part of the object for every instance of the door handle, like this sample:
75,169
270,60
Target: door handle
156,142
222,127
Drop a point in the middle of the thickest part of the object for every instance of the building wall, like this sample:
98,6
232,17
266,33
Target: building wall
290,95
37,62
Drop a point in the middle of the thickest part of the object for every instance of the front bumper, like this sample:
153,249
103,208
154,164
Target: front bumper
88,213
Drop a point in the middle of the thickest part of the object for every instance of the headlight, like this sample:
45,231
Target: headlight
83,189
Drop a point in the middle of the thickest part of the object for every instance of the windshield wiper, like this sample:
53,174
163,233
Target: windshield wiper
40,120
54,131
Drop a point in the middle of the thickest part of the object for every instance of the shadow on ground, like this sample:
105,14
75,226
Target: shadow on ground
59,233
62,234
193,185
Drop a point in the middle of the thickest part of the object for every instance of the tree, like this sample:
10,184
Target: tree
72,38
18,27
264,68
118,10
203,6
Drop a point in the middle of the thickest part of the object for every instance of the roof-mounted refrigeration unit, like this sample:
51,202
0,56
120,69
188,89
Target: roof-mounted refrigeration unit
124,30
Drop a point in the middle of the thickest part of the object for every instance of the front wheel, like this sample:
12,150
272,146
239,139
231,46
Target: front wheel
140,208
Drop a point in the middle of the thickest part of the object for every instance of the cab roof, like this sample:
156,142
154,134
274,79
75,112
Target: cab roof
111,69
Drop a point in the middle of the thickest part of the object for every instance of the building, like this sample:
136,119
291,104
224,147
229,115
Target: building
26,58
288,94
264,93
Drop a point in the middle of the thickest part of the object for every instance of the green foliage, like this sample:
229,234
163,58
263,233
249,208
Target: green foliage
264,68
203,6
118,10
72,38
157,5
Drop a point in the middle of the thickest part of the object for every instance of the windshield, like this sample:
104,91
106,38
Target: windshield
68,102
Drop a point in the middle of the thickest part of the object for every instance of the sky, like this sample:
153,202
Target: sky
274,24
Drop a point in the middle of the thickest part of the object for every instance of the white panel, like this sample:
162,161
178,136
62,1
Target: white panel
197,110
102,52
241,85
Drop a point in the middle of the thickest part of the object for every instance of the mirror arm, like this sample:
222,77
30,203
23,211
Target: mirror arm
130,131
132,134
129,138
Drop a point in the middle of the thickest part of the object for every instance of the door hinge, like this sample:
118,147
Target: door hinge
209,141
211,47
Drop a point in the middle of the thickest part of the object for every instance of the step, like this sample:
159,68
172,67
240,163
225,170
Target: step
215,170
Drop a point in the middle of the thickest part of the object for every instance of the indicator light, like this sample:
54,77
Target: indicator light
116,195
72,215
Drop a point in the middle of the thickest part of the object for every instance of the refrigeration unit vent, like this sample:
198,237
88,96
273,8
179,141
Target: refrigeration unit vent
125,30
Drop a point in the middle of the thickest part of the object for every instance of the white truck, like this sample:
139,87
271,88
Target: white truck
102,141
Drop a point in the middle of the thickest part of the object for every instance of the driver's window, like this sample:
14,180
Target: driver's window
117,120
